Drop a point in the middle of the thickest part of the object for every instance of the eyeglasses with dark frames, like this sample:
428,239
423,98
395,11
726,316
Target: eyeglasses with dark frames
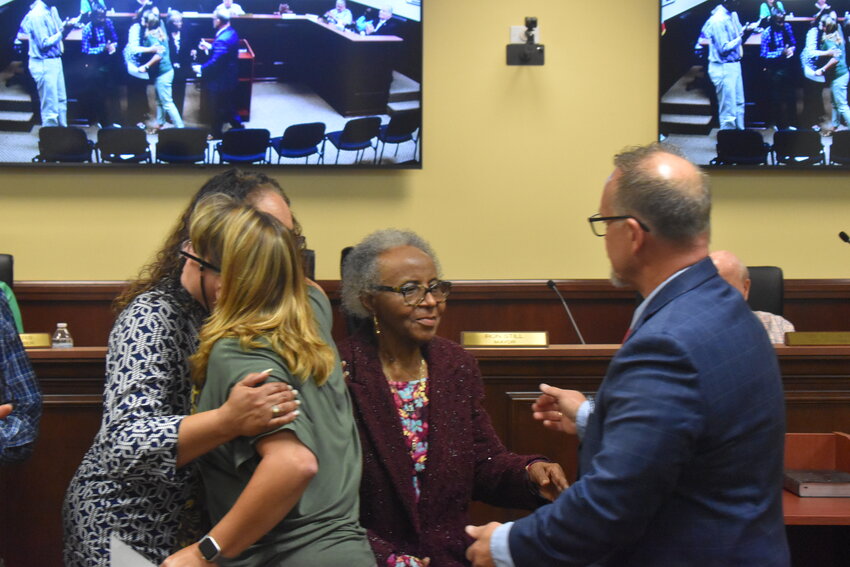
414,294
202,262
600,229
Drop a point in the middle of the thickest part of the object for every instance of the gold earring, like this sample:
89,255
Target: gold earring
375,325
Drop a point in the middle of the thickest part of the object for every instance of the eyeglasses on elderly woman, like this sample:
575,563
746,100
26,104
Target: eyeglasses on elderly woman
414,294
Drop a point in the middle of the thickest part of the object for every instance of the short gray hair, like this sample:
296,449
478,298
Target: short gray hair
677,209
360,269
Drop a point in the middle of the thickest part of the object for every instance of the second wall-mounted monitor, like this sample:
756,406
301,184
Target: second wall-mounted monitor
762,100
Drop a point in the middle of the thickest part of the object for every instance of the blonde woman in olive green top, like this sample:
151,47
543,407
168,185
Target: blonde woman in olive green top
289,497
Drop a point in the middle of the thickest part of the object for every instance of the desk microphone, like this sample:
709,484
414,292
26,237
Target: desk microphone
554,287
843,236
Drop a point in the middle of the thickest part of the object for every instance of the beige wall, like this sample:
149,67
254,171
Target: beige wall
515,159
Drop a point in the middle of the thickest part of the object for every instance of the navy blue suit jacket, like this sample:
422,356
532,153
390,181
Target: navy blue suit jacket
221,71
682,458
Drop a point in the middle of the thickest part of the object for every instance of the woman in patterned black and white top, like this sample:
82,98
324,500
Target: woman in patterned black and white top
133,483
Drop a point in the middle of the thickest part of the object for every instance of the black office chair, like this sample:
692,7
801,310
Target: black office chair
356,136
7,269
301,140
839,152
63,144
123,145
244,145
740,147
767,289
352,323
400,129
182,145
800,147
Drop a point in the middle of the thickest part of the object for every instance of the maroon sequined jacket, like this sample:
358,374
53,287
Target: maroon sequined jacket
466,460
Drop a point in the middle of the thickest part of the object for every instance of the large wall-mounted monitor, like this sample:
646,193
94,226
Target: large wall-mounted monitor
759,102
351,70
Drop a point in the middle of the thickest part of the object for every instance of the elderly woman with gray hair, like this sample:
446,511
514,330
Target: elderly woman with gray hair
428,445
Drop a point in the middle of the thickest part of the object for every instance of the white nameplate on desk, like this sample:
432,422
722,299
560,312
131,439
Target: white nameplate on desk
504,339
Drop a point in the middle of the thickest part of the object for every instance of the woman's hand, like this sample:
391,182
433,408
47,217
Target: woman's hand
186,557
548,477
254,408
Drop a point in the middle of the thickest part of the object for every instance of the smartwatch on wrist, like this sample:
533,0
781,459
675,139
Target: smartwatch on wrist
209,547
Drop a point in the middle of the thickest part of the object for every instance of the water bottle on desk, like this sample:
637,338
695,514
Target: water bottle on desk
62,337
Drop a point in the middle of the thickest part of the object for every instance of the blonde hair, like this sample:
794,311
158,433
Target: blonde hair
263,299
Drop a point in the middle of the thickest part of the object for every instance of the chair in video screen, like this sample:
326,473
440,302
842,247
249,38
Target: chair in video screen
740,147
767,288
301,140
356,136
123,145
797,147
63,144
244,145
182,145
839,152
400,129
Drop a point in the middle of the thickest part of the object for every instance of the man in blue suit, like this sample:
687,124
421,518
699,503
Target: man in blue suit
221,74
681,460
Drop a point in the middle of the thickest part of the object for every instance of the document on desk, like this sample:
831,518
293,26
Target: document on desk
123,555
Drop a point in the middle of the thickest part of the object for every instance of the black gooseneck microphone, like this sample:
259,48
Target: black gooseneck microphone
843,236
551,284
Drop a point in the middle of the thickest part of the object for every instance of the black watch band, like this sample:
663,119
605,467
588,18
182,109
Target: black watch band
209,547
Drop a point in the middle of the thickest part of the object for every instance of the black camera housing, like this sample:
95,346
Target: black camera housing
528,53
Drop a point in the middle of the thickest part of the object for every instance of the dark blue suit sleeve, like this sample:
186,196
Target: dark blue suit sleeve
220,47
648,416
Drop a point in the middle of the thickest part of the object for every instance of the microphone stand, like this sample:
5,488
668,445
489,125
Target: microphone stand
554,287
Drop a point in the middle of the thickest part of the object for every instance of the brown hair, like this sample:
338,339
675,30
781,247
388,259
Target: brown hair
243,186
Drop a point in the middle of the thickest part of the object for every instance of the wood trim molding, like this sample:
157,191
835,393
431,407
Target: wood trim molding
468,289
601,310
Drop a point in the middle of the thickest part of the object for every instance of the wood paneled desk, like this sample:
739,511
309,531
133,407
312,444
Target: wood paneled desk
819,451
817,390
817,394
818,528
815,511
816,381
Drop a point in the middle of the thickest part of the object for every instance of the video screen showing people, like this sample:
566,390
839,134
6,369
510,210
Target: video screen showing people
755,83
303,82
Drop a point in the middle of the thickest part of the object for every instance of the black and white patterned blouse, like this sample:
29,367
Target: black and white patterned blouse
128,482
